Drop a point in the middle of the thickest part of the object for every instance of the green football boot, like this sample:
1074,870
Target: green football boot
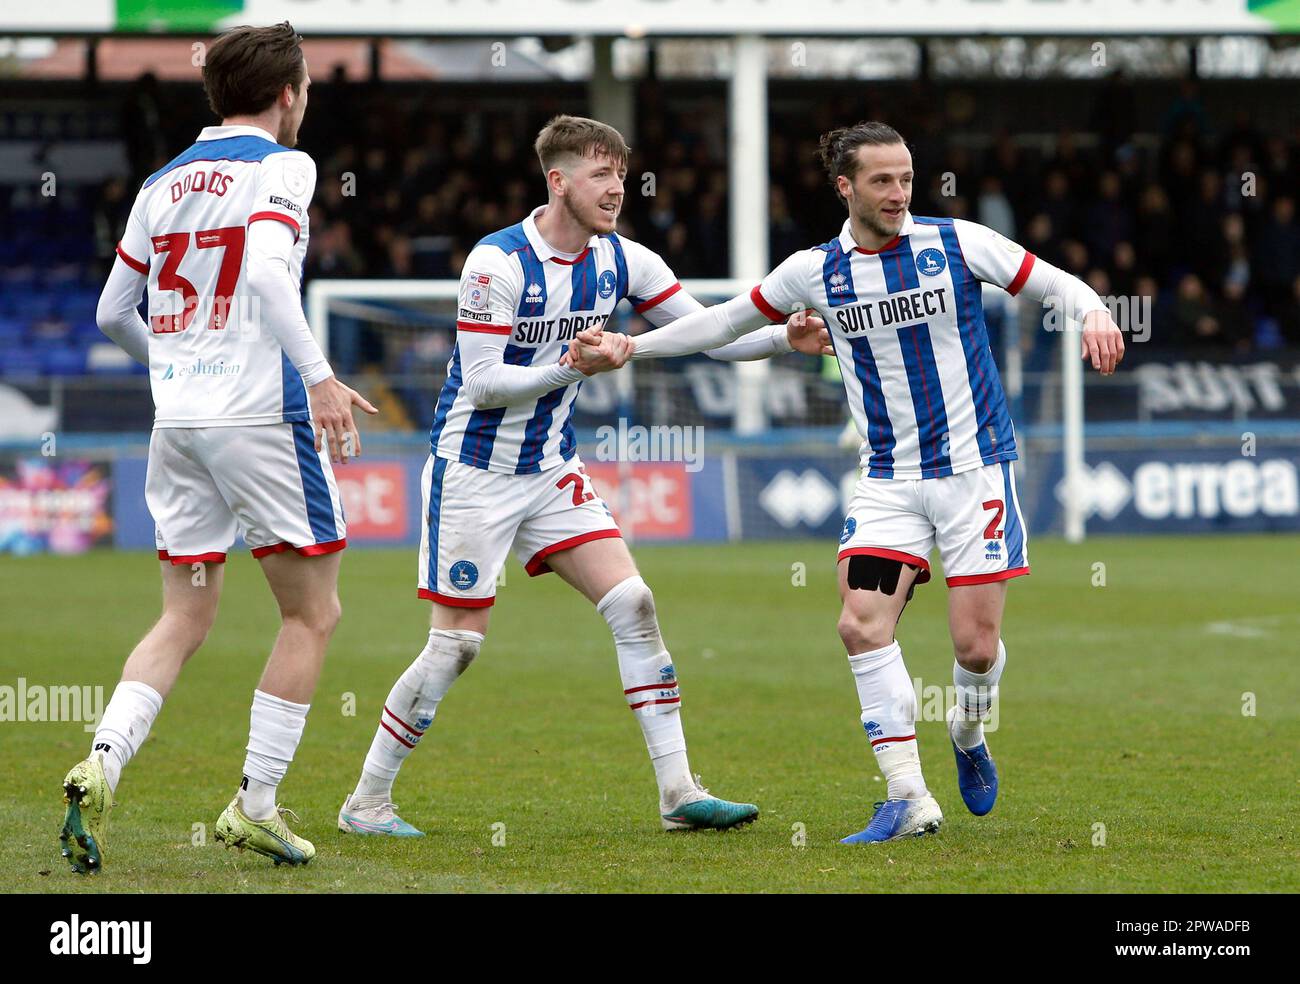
85,821
271,837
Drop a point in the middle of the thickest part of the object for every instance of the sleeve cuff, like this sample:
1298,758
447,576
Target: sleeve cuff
781,340
316,374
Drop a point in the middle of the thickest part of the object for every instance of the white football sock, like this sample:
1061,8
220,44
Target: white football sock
274,731
125,725
976,693
412,704
649,683
888,702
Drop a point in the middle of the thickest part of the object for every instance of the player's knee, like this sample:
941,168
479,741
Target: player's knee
629,608
331,613
187,628
320,616
976,646
861,632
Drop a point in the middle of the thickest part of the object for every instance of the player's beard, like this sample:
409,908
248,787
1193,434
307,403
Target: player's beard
874,221
590,223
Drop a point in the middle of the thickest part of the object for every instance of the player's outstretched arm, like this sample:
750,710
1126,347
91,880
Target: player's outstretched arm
708,328
803,332
490,382
800,333
997,260
1103,342
116,312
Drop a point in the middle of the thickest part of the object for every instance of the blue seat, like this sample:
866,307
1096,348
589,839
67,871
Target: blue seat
34,305
77,304
19,362
85,332
63,360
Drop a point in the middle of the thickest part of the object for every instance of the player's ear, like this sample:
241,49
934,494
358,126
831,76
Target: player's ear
556,181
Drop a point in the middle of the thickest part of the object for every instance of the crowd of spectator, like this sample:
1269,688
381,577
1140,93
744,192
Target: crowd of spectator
1199,218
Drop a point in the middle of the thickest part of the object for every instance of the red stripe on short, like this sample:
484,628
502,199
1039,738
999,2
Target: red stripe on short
455,602
538,564
657,299
888,554
396,735
311,550
206,558
959,580
664,700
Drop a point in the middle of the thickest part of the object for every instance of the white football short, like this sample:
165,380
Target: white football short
205,484
473,517
974,518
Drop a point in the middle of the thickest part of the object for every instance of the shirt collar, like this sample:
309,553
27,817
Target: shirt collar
235,130
544,250
849,244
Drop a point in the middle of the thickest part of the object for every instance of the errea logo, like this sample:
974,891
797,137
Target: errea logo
533,293
75,938
839,283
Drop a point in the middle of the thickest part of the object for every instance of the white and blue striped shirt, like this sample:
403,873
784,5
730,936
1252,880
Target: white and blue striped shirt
908,329
520,304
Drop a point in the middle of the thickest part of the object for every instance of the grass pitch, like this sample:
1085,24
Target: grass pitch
1127,761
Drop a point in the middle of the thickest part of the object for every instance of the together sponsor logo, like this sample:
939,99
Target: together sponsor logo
286,204
102,938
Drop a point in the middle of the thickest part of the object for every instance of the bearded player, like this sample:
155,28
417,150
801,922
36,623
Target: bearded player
242,396
900,295
504,472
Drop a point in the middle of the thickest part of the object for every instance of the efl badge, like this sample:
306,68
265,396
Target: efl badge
296,178
476,291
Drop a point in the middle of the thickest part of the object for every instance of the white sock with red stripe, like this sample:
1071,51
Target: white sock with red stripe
888,702
649,684
976,693
412,704
124,726
274,731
